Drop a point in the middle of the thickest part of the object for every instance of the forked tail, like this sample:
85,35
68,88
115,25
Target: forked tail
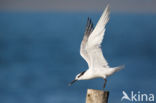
119,68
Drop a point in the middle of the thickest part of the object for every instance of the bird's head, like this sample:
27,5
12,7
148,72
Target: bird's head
78,77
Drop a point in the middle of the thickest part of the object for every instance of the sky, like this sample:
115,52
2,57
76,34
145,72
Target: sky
147,6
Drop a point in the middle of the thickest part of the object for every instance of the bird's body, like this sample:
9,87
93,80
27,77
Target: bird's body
91,51
99,73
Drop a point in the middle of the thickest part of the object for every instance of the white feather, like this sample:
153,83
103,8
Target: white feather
94,42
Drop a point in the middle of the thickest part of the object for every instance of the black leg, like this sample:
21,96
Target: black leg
105,83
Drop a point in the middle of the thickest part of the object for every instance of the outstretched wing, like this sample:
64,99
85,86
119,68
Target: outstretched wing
94,42
88,30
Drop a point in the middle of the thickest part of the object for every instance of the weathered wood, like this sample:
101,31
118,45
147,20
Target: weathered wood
97,96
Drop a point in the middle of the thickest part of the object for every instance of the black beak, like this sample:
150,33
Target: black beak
72,82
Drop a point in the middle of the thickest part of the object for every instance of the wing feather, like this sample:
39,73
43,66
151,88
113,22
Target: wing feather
88,30
94,42
95,37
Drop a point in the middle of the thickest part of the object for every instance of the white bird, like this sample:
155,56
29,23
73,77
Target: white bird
91,51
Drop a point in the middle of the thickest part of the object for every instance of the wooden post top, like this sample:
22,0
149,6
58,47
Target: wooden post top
96,90
97,96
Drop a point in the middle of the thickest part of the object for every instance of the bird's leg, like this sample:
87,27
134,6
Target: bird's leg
104,83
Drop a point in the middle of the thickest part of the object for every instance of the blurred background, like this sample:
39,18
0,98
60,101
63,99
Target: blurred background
40,41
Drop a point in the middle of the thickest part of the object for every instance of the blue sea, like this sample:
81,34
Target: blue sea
39,56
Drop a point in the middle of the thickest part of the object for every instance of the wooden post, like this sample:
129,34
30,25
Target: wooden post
97,96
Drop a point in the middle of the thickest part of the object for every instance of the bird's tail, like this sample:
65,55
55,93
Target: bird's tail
119,68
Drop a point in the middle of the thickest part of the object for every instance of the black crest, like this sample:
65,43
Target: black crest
81,74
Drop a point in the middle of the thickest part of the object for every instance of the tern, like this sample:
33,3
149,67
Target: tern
91,51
